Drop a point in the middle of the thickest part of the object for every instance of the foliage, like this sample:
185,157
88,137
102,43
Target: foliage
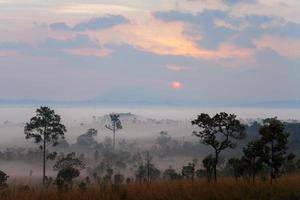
147,172
188,171
119,179
252,161
171,174
68,174
208,163
3,179
87,139
219,132
238,167
275,146
45,128
70,160
68,167
115,124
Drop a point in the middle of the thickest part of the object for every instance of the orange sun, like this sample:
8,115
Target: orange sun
176,85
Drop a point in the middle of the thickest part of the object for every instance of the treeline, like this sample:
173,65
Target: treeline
266,154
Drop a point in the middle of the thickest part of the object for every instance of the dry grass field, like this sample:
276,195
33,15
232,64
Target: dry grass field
226,188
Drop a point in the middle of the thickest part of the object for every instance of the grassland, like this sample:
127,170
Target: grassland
226,188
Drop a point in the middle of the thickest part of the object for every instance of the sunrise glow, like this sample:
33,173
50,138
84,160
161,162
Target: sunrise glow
176,85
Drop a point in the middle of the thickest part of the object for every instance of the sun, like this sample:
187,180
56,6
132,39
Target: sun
176,85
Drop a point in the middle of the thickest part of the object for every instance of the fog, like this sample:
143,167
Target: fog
78,119
141,127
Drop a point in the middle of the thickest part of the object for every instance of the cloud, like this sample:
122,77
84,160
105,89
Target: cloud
288,10
233,2
214,27
202,24
92,24
177,68
12,46
79,41
283,46
165,38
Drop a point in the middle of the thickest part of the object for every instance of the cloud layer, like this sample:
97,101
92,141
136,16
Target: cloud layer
150,51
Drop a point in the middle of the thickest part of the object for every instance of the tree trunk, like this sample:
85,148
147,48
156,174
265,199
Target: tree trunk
208,175
215,165
44,162
148,167
114,135
271,165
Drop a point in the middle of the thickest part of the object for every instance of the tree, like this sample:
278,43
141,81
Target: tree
253,158
208,164
46,129
238,167
114,126
163,139
188,171
96,156
3,179
119,179
68,167
275,145
147,173
87,139
171,174
219,132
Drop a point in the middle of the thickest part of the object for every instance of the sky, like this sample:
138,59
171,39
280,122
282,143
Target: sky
150,51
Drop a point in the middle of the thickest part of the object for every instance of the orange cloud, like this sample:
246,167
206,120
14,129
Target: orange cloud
89,52
165,38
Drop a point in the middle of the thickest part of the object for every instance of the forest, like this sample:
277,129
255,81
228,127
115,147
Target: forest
261,157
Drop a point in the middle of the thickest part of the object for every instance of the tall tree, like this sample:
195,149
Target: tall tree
275,146
46,129
219,132
115,124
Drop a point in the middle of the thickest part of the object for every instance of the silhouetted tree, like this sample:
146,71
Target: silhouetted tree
275,146
119,179
46,129
114,126
219,132
68,167
3,179
146,170
96,156
253,158
171,174
163,139
238,167
188,171
208,164
87,139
